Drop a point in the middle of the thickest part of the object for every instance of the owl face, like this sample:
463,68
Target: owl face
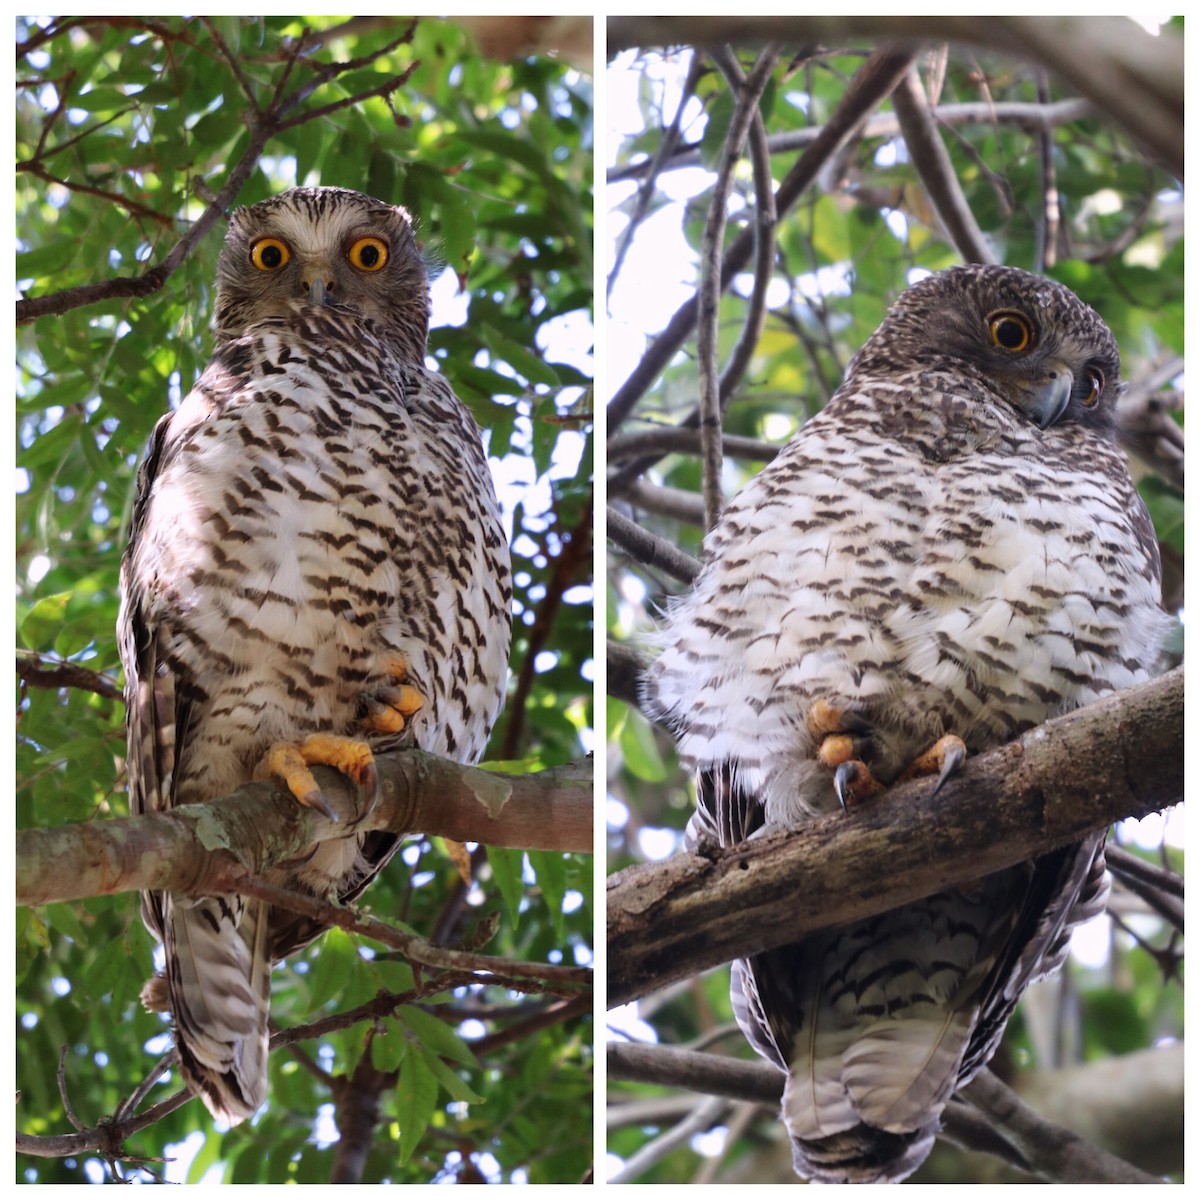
324,246
1034,342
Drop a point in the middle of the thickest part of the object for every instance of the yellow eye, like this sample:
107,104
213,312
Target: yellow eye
1095,388
269,254
369,254
1010,331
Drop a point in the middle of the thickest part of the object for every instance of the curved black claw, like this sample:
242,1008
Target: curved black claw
956,755
843,779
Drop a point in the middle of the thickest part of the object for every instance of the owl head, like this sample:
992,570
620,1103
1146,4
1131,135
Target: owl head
1030,340
324,246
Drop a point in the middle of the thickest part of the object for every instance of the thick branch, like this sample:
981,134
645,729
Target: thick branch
1121,757
198,848
1135,78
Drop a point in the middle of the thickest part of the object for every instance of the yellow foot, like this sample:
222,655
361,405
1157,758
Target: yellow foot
290,762
840,733
387,709
943,758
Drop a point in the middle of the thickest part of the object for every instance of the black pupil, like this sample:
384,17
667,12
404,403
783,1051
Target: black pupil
1010,334
368,255
271,256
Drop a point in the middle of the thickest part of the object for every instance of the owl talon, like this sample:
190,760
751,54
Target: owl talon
290,762
388,708
945,756
853,783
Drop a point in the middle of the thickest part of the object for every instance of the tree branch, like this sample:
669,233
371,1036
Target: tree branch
200,848
1134,77
874,80
932,162
263,126
1121,757
40,672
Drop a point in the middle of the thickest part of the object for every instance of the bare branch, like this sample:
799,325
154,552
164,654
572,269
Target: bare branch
415,949
650,550
46,673
870,85
932,162
1036,118
749,90
1051,1150
201,849
1119,757
680,439
988,1117
1134,77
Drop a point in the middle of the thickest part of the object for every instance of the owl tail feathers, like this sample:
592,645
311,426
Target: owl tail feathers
862,1155
218,978
867,1106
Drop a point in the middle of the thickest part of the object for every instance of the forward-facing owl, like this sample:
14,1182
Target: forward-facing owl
316,570
950,553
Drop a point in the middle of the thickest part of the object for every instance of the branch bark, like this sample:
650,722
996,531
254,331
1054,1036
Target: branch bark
198,849
1121,757
1134,77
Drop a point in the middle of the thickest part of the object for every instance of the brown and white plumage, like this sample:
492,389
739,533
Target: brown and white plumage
317,510
952,546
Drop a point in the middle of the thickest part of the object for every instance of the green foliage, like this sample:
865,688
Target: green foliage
851,244
126,129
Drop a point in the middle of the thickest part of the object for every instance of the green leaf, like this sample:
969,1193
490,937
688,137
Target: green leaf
389,1048
44,620
436,1035
506,871
455,1086
416,1102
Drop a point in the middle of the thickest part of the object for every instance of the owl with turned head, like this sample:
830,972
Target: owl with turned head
316,572
950,553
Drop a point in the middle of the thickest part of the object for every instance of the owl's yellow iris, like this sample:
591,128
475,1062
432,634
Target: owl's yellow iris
269,254
368,254
1011,331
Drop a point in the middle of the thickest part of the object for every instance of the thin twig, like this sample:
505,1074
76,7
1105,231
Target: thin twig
764,254
748,90
1031,117
415,949
645,192
876,78
571,565
650,550
936,172
45,673
681,439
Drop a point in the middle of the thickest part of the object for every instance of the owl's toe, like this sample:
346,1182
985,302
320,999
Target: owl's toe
853,783
388,708
944,758
290,761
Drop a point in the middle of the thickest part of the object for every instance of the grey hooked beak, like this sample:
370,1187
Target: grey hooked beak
1045,401
318,293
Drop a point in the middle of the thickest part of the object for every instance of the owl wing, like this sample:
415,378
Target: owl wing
217,970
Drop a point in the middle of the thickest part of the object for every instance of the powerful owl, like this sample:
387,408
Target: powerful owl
951,552
316,572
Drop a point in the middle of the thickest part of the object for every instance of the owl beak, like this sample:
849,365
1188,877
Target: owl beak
318,293
1045,400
